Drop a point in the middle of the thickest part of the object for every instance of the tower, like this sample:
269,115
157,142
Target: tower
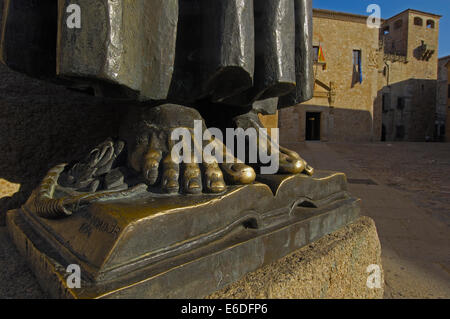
409,41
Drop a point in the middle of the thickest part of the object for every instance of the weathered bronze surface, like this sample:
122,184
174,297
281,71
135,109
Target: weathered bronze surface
128,43
184,51
275,51
304,55
160,246
227,48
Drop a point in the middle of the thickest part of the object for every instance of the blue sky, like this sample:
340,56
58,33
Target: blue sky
390,8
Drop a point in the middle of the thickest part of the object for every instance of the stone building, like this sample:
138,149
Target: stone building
375,84
408,86
342,108
443,100
447,125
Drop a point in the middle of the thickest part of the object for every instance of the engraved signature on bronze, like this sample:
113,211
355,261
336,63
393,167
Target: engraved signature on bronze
96,223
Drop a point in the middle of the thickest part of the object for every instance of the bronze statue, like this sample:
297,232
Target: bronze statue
139,222
228,59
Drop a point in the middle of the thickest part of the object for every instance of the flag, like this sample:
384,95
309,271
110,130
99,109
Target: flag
321,56
360,69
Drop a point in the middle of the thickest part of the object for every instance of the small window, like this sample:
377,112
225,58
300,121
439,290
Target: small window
357,58
398,24
418,21
430,24
316,54
386,30
357,67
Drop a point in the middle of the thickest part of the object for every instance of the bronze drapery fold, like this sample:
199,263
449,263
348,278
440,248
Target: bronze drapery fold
304,59
127,43
28,36
232,52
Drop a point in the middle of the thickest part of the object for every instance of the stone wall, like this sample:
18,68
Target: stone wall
269,121
351,115
443,95
447,133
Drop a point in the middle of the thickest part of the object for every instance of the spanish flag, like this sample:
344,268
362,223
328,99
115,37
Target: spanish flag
321,56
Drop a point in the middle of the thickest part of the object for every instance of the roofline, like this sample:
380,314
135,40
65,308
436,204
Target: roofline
359,18
337,15
415,11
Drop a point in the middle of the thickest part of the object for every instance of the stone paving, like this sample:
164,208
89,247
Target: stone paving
414,235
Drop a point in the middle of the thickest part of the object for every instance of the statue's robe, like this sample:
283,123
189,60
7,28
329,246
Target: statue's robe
28,36
232,52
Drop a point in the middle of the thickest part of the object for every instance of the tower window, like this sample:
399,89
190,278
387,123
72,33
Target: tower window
418,21
398,24
430,24
386,30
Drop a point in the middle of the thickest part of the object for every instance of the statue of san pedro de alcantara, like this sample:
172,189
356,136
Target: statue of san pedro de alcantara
221,62
137,221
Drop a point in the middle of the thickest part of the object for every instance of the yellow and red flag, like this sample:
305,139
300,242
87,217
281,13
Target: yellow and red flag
321,56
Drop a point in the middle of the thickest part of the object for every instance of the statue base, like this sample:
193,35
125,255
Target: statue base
162,246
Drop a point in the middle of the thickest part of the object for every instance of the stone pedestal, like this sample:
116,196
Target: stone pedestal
162,246
334,267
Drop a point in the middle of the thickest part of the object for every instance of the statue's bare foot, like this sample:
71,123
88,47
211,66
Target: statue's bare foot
290,162
148,135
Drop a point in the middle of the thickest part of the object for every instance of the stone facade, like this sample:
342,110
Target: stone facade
409,76
447,133
396,99
443,100
346,109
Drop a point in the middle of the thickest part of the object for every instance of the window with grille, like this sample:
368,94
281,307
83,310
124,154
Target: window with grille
418,21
